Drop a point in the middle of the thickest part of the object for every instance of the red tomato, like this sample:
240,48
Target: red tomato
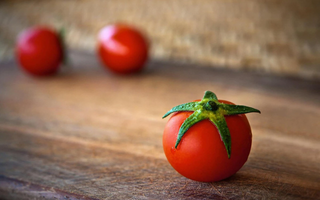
39,51
201,154
122,49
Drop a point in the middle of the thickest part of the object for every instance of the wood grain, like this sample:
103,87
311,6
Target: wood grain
89,134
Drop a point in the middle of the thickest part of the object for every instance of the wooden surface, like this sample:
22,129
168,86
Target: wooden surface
89,134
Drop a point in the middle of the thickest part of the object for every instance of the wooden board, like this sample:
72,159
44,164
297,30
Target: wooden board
89,134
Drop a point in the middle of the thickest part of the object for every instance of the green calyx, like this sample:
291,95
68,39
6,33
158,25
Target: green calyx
210,108
62,36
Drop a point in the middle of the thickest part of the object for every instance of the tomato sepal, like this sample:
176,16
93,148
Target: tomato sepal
191,106
194,118
210,108
237,109
210,95
62,38
220,122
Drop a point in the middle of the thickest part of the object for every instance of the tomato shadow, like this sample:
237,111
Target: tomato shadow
244,186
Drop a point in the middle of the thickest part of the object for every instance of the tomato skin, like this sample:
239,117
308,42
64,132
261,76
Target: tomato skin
122,49
201,154
39,51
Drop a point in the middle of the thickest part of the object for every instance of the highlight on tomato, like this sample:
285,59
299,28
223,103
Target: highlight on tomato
122,49
207,140
40,50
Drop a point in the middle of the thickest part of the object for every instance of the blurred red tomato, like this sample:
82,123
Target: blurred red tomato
39,50
122,49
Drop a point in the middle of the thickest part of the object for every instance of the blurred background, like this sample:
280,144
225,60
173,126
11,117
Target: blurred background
267,36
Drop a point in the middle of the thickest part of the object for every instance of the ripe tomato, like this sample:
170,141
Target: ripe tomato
122,49
39,50
201,154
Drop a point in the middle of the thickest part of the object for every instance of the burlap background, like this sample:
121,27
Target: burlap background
272,36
